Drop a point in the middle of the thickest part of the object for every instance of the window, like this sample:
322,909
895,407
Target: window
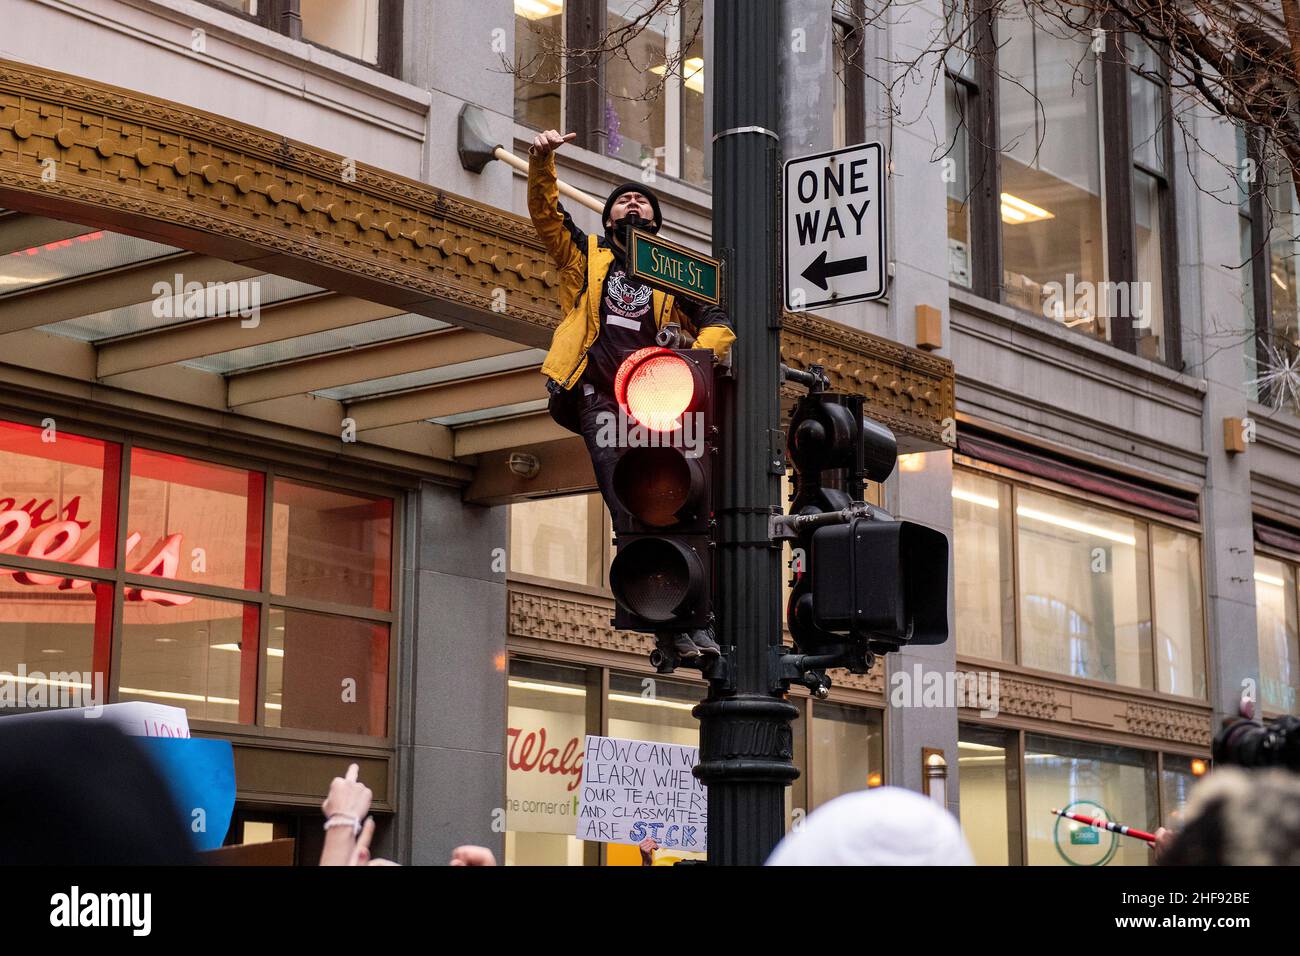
1062,207
1084,591
1177,775
1094,593
847,749
1114,783
563,539
659,710
350,27
553,705
331,546
200,608
848,115
968,168
1152,197
546,725
990,794
644,103
368,31
1278,634
1270,249
539,35
981,544
1051,200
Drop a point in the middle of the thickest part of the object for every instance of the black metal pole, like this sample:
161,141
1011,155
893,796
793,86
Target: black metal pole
746,746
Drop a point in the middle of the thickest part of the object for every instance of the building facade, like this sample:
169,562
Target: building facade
376,547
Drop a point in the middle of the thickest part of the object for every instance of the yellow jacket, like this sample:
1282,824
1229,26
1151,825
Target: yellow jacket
583,262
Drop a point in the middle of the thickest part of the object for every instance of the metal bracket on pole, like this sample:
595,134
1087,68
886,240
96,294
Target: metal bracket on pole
776,451
814,378
791,527
810,669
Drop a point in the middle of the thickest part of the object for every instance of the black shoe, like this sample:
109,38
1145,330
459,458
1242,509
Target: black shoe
679,645
704,642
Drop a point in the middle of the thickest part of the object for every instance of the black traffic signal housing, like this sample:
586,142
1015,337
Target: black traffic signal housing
869,579
662,574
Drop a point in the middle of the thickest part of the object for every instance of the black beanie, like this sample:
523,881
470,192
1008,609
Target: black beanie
633,188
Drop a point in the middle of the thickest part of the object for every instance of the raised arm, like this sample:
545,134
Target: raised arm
565,242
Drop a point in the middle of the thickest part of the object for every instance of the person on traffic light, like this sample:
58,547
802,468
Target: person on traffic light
608,314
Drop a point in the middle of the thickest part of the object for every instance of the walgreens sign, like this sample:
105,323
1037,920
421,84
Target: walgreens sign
41,530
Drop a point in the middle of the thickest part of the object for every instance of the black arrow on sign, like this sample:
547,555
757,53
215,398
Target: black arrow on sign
821,270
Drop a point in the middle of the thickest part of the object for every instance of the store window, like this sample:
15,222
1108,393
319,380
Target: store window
1278,634
984,586
1096,593
546,726
1178,774
197,615
561,539
326,672
990,794
847,750
1084,590
1115,783
200,516
651,708
186,651
329,545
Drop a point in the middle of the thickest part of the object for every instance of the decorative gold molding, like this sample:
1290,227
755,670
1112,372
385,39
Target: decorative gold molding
911,391
1168,723
1076,709
585,623
88,152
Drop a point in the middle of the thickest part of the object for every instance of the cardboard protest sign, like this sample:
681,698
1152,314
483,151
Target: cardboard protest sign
633,789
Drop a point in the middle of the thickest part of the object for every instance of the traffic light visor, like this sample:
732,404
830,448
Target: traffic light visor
655,387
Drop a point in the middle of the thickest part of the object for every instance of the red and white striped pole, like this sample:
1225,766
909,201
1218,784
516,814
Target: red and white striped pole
1107,825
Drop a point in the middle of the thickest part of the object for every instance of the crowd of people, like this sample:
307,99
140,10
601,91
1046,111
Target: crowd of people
1235,817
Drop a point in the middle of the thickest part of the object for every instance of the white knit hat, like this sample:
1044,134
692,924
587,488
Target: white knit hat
888,826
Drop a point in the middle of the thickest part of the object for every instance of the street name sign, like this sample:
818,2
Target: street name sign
834,227
675,268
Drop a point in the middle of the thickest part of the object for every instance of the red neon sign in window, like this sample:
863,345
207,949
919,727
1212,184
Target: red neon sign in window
30,532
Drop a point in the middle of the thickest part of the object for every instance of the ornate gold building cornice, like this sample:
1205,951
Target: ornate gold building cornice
80,150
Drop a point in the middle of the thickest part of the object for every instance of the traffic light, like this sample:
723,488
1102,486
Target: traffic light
859,573
662,575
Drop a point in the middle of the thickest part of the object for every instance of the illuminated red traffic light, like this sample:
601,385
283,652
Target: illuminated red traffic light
655,387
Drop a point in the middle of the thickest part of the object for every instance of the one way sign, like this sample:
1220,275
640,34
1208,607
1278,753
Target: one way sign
835,227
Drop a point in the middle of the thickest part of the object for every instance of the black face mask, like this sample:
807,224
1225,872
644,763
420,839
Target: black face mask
623,228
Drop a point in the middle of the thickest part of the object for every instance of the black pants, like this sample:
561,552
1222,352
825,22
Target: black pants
597,413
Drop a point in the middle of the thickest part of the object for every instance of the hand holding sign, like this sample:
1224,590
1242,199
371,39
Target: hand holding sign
642,792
